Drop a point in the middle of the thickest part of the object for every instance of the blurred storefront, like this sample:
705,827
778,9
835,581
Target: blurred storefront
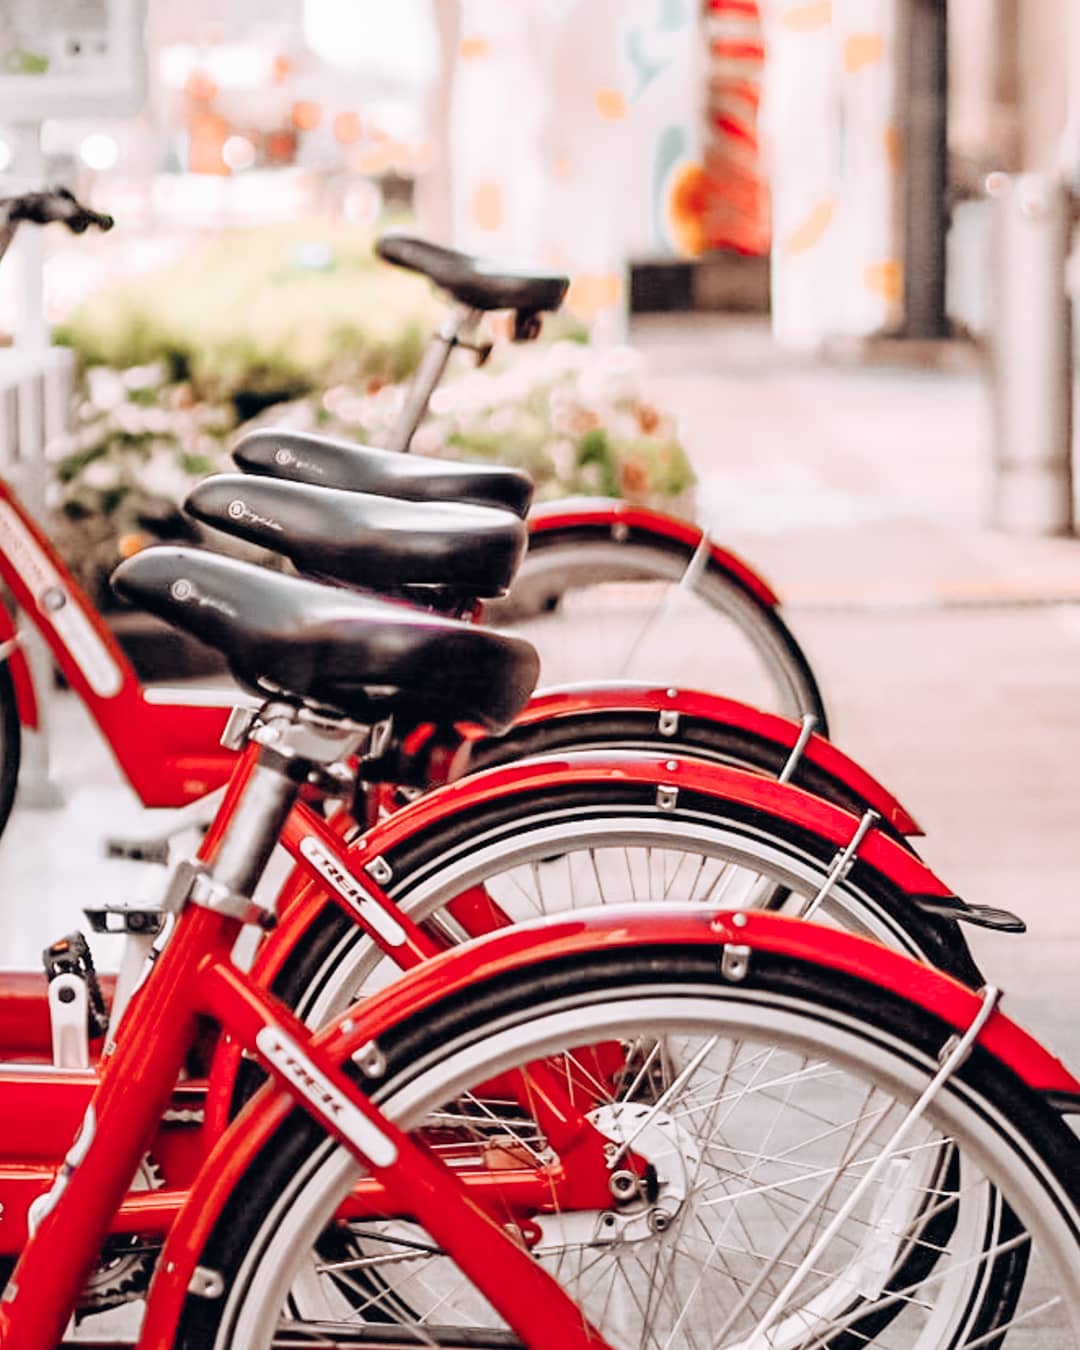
599,135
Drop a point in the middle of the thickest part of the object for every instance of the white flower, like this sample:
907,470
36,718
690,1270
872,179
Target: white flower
501,420
623,425
428,440
163,476
157,420
387,402
613,373
130,418
623,361
105,387
356,412
563,458
333,399
144,377
102,474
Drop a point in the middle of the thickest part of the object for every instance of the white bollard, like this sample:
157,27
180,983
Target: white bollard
1031,355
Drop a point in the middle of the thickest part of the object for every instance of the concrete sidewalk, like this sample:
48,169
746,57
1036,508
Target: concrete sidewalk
859,492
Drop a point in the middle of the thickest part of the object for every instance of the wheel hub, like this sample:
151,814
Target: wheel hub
642,1207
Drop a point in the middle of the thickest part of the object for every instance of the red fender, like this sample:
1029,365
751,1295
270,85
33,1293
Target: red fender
306,901
556,702
512,949
25,697
609,518
909,873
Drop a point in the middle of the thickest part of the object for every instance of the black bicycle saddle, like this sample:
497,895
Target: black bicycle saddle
304,458
378,542
475,281
364,657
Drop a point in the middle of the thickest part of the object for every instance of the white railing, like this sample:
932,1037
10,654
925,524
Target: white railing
36,386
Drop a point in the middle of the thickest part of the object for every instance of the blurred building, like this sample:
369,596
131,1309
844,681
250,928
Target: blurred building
695,142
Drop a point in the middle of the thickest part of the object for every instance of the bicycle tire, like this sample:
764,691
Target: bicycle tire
490,840
570,562
614,730
335,962
10,744
827,1038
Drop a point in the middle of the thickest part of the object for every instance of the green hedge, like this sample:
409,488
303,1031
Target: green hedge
262,314
302,324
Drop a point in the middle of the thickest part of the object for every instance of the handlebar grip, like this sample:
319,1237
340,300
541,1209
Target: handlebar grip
55,205
86,219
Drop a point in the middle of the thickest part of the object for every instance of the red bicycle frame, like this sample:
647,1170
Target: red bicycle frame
193,976
121,1108
46,1104
169,753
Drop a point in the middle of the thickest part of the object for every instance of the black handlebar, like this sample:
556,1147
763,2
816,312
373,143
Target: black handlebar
54,204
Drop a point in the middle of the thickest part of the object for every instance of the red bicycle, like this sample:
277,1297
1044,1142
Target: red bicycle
676,1126
333,534
461,861
597,556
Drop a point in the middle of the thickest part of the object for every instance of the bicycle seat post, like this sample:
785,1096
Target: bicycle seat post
297,747
458,325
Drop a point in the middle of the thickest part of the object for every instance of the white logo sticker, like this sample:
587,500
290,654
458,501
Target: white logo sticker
287,1057
184,590
239,510
44,1205
371,912
286,457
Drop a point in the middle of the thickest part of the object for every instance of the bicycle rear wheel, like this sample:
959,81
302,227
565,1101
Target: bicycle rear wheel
645,606
761,1104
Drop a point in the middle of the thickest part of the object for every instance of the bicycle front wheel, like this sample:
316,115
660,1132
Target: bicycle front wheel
780,1210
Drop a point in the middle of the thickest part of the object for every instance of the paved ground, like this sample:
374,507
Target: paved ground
859,492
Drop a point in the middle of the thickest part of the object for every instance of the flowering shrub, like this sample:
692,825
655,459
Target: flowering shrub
575,418
141,441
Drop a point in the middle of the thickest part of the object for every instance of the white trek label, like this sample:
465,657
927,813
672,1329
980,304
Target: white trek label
371,912
315,1087
44,1205
47,587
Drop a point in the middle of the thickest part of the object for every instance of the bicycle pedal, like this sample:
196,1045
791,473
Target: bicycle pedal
142,920
137,850
77,1008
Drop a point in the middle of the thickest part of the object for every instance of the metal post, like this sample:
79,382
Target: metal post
36,786
1031,355
926,216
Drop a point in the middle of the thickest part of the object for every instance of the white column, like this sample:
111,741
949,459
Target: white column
27,255
833,155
